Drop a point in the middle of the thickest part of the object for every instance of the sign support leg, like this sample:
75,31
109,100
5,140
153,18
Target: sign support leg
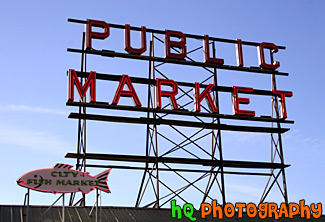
96,205
27,213
63,207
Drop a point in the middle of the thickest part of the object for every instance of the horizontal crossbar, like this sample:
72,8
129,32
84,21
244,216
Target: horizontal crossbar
176,61
105,105
143,120
203,162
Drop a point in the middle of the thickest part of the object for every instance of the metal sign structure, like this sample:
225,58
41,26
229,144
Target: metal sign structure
163,122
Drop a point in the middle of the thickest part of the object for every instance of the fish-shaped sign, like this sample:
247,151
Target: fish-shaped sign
62,179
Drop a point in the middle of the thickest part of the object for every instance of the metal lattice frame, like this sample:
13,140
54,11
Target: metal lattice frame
151,175
276,150
155,162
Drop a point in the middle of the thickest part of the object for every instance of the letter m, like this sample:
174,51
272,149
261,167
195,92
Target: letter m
74,81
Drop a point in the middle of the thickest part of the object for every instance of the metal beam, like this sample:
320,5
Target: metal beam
177,61
144,120
203,162
177,170
105,105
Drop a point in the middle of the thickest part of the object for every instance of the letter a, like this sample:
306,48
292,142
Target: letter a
127,93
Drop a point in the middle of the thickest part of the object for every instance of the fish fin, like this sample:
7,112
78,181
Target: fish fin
85,191
101,180
63,166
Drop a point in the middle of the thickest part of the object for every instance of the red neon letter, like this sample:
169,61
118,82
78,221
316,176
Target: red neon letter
127,93
95,35
239,53
283,94
206,49
181,44
205,94
261,58
170,94
237,100
90,82
127,41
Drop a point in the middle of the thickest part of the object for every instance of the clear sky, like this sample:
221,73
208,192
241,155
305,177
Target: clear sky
36,133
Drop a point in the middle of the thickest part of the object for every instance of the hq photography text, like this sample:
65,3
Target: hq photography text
262,210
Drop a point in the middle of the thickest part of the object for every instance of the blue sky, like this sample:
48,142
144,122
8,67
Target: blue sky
36,133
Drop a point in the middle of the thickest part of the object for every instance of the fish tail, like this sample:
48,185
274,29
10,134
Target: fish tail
101,180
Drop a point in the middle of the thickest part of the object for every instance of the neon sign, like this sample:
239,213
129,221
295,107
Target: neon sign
181,44
187,99
198,96
130,92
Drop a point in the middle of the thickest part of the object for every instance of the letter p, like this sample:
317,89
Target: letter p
95,35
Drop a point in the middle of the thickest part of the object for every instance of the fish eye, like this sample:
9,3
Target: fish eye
35,176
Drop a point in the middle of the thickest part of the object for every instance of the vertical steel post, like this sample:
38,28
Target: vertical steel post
153,76
81,145
84,120
140,193
27,213
216,142
279,136
100,206
96,204
63,208
215,79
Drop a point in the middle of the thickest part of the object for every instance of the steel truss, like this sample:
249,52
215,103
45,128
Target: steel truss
276,150
206,124
151,173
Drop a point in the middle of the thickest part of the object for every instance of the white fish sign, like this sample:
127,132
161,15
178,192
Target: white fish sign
62,179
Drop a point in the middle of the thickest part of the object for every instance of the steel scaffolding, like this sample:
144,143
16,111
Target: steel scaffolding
207,163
